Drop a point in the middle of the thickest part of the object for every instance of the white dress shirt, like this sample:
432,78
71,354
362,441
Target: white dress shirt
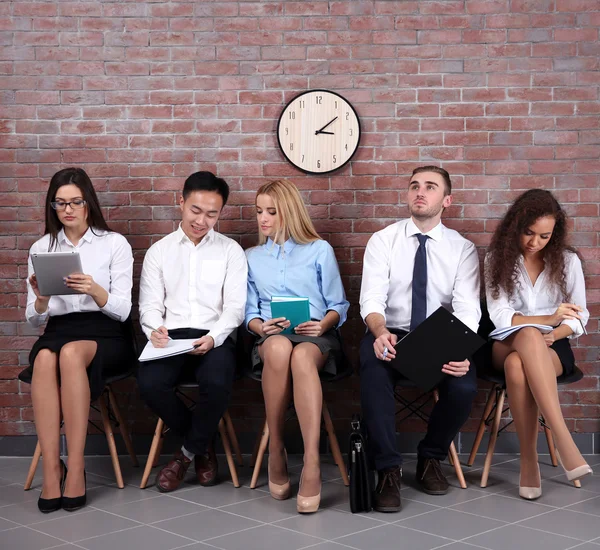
452,274
542,298
107,257
202,286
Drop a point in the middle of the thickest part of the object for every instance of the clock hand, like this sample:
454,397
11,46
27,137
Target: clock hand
330,133
321,130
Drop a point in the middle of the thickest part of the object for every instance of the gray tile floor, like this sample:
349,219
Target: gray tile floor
223,517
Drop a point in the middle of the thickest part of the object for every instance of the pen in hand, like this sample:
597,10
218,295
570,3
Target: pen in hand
155,330
583,327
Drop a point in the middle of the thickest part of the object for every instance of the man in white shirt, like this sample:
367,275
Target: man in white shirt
193,285
410,269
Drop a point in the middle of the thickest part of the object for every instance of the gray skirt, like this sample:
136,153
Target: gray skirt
329,344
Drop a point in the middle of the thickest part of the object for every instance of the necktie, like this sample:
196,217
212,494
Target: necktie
419,284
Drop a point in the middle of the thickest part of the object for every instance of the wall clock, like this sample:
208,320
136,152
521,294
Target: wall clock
318,131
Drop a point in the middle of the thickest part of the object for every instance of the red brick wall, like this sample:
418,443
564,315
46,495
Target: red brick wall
502,93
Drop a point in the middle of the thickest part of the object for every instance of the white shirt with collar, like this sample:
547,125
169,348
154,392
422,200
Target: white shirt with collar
542,298
201,286
107,257
452,274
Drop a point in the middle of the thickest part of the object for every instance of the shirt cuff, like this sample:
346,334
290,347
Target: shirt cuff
575,327
218,338
371,306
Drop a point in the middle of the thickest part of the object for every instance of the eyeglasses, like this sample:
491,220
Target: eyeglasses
77,204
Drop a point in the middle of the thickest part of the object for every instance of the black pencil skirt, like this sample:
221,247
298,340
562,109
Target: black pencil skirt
115,352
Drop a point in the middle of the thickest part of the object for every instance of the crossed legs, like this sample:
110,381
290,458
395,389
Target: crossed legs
282,364
531,368
72,397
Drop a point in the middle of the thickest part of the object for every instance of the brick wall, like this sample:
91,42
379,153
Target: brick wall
502,93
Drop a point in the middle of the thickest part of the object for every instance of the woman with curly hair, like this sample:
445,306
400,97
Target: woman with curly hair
533,276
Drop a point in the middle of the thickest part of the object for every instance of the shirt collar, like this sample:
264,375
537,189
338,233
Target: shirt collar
88,236
275,249
183,238
436,233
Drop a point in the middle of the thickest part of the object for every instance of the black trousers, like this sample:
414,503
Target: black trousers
377,382
214,372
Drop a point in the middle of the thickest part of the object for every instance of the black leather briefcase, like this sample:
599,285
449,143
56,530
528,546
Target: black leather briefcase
361,498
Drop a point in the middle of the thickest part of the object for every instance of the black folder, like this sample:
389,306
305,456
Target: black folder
439,339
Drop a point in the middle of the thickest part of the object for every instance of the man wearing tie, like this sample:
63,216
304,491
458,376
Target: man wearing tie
410,269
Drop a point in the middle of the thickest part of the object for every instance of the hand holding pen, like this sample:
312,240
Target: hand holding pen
384,346
159,337
274,326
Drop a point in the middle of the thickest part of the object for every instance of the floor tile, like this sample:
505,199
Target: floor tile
388,536
591,506
27,513
85,525
452,497
5,524
160,508
144,536
564,522
107,496
556,494
502,508
14,494
515,536
329,545
265,509
328,524
265,537
219,495
206,524
450,524
24,538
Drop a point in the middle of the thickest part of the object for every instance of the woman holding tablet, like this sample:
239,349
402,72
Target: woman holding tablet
83,339
292,260
533,276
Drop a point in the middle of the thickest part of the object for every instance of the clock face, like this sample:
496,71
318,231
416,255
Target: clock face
318,131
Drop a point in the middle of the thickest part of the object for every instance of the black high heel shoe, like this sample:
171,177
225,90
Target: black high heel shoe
70,504
47,505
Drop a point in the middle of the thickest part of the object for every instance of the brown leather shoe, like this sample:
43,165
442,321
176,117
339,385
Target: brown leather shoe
207,467
170,476
387,492
430,476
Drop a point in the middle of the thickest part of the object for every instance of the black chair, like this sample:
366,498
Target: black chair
496,403
110,414
345,370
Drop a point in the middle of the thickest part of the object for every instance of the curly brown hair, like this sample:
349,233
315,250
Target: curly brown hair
502,268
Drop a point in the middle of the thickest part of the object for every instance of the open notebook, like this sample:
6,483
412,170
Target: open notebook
502,333
174,347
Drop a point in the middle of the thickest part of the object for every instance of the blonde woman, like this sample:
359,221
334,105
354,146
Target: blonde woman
292,260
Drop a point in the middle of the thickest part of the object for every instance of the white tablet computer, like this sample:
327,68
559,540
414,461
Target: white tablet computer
51,268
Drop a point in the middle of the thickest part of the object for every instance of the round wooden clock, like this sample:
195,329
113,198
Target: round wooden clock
318,131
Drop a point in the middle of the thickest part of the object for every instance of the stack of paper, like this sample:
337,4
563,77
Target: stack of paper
502,333
174,347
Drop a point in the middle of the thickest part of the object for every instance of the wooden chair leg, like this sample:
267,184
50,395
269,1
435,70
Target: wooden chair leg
233,437
123,427
576,482
227,448
33,466
260,453
489,455
457,467
154,452
110,438
481,430
335,447
550,441
256,447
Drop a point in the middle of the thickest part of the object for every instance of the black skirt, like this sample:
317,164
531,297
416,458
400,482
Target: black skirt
563,349
329,343
115,353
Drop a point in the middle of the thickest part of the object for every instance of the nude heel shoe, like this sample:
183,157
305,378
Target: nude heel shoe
575,473
307,505
531,493
279,492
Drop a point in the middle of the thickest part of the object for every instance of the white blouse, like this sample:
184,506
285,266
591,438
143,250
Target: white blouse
542,298
107,257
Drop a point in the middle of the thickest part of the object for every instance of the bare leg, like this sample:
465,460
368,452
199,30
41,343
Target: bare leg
45,397
275,353
524,412
307,360
75,358
541,366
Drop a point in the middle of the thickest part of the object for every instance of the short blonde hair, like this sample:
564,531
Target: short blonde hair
294,220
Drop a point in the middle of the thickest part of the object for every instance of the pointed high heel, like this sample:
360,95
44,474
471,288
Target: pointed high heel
575,473
47,505
70,504
307,505
279,492
531,493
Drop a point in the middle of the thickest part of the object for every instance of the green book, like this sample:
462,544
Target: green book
295,309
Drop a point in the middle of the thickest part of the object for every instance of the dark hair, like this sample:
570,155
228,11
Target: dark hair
439,171
505,249
77,177
206,181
